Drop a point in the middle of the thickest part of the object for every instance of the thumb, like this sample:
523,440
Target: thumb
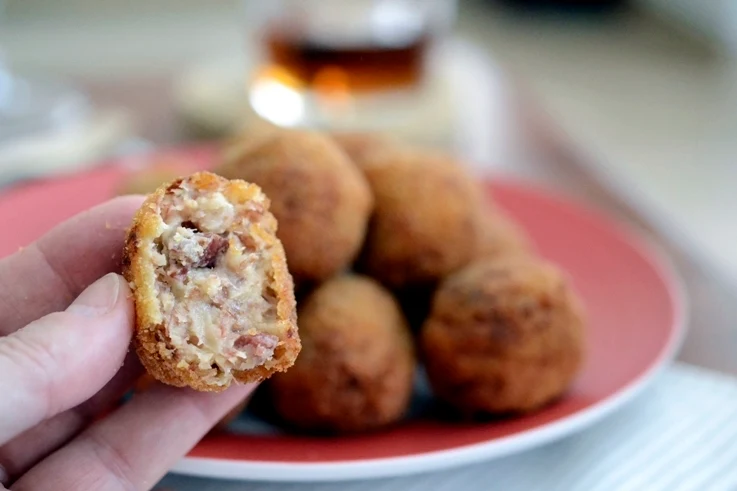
62,359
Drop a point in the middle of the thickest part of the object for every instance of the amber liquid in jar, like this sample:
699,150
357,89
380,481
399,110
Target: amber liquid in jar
364,67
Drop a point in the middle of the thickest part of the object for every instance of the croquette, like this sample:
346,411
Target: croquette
252,136
356,368
321,200
498,234
214,300
423,225
504,336
362,147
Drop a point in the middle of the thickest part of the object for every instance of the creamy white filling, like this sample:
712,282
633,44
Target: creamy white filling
219,313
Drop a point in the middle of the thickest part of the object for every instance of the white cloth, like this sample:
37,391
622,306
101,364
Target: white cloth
679,435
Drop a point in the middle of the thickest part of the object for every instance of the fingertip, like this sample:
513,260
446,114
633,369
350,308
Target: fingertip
128,201
229,397
118,211
109,295
61,360
125,299
216,404
244,389
99,298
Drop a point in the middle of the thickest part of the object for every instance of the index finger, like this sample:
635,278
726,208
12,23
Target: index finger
47,275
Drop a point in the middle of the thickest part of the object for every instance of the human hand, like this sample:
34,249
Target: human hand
64,361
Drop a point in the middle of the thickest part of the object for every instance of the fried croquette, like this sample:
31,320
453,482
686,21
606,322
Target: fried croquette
498,234
503,336
322,201
423,225
248,138
214,300
356,368
362,147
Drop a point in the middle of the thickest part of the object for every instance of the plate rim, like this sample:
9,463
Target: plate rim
438,460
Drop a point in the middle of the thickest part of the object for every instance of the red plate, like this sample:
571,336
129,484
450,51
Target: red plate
636,322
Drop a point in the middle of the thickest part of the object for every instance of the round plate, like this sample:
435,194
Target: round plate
635,310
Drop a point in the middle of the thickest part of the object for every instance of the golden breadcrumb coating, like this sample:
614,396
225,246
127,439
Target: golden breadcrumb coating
252,136
423,225
497,234
356,369
362,147
214,300
322,201
503,336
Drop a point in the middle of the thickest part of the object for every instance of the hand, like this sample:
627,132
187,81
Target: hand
64,361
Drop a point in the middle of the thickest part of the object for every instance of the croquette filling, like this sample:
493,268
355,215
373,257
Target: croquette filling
212,272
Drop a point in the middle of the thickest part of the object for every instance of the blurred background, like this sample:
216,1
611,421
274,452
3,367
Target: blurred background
626,102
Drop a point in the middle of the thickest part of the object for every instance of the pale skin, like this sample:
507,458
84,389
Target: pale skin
66,322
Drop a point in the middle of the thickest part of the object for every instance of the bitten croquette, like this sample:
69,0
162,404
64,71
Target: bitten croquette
214,300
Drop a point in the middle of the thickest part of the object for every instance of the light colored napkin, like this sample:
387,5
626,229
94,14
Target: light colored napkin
678,435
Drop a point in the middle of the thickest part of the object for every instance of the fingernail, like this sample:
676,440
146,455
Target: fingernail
4,477
99,298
